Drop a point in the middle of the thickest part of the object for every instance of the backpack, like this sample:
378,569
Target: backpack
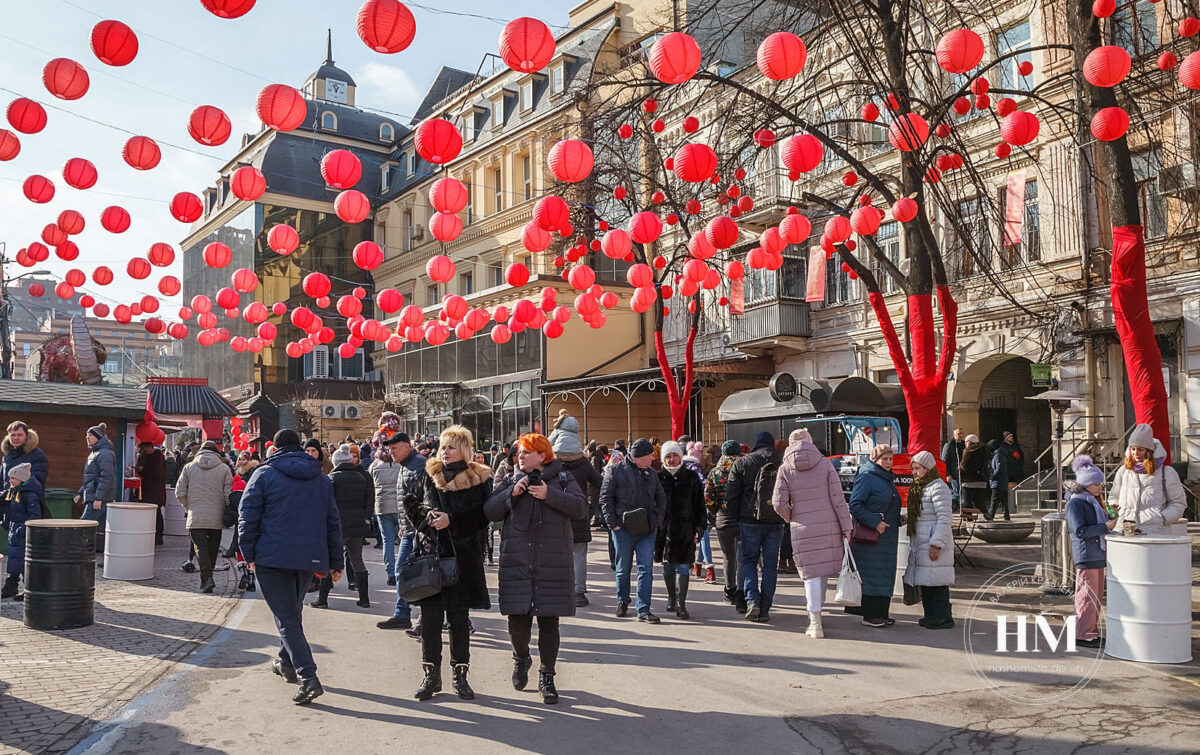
764,489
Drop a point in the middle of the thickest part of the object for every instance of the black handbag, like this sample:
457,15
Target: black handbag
636,522
428,574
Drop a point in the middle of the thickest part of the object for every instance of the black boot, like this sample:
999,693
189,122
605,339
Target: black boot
207,584
10,586
432,683
363,601
324,586
520,675
461,687
314,584
310,689
681,606
350,583
546,688
729,595
739,602
669,580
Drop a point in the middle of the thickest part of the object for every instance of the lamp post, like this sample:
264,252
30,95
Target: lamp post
1056,548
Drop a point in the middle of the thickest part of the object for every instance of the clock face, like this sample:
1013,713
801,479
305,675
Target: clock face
335,91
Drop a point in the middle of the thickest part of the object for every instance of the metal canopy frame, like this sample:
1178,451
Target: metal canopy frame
627,391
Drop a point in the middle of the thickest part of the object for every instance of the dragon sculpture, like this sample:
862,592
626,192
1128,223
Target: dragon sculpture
73,357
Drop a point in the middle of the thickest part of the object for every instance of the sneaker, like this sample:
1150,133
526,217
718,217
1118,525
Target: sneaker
415,632
395,622
581,600
753,612
622,609
188,567
649,618
876,622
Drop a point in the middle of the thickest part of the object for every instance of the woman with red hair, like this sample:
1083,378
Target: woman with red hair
536,503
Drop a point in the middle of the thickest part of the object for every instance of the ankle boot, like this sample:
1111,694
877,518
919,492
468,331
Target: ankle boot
10,586
815,629
363,601
520,675
461,687
546,688
323,587
681,607
729,595
710,575
739,602
669,579
432,683
350,583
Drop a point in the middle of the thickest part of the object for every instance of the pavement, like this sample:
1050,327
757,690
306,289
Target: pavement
713,684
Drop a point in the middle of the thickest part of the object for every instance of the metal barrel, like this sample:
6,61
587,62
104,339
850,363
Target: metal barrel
60,573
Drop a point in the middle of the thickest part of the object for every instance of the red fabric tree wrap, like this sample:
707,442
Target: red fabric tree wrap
678,399
1143,360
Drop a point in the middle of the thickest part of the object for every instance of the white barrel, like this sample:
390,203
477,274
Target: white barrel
129,541
1149,590
174,516
901,558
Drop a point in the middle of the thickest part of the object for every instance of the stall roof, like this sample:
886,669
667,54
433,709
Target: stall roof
31,396
853,395
756,403
188,397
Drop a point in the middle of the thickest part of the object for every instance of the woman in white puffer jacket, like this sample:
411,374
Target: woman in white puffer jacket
931,541
1147,490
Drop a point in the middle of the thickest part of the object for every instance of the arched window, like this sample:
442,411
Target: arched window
329,121
386,132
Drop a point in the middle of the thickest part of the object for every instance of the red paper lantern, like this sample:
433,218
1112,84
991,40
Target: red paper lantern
26,116
1003,150
141,153
217,255
534,238
801,153
581,277
202,304
908,132
100,310
526,45
115,219
516,275
865,220
367,255
904,209
695,163
36,290
1189,26
228,8
1106,66
114,43
691,124
160,254
551,213
186,207
1005,105
959,51
87,301
386,26
439,268
571,160
1025,67
71,222
209,126
138,268
10,145
65,79
645,227
316,285
248,183
1167,61
781,56
838,229
38,189
279,308
281,107
64,290
255,312
352,206
962,105
53,235
445,227
244,280
389,300
1019,128
169,285
674,58
267,331
227,298
616,244
795,228
721,232
764,137
149,304
658,126
1110,123
283,239
39,252
67,250
1104,8
979,86
1189,71
178,331
102,276
438,141
341,169
625,131
448,195
75,278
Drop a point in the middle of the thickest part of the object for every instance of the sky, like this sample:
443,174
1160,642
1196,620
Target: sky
188,57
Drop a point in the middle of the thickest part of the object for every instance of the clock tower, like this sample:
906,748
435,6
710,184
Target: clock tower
330,83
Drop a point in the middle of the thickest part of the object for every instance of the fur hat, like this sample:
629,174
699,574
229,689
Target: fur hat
1087,473
925,459
1142,437
21,472
342,455
672,447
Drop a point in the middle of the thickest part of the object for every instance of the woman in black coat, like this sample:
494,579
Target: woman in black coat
686,520
450,520
538,504
354,493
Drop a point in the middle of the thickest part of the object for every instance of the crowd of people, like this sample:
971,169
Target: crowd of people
304,512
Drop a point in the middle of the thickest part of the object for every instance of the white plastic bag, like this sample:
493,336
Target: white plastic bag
849,584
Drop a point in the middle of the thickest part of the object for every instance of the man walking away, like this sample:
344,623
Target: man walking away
751,485
634,505
410,486
952,453
202,489
288,528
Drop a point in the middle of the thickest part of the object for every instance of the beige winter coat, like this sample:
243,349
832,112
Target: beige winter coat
1152,501
202,489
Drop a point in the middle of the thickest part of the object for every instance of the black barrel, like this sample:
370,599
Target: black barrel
60,573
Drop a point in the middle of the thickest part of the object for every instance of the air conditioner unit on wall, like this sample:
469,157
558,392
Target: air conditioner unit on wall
331,411
352,411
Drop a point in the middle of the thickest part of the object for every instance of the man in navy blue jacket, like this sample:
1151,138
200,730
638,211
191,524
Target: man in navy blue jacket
289,528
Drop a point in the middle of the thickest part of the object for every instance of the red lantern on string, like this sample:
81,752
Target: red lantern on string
53,235
160,254
209,126
341,169
1110,123
149,304
571,160
448,195
316,285
389,300
38,189
283,239
100,310
645,227
1106,66
115,219
1103,8
616,244
67,250
227,299
65,79
764,137
722,232
516,275
1189,26
367,255
695,163
26,116
255,312
534,238
1189,71
386,26
439,268
551,213
691,124
202,304
1167,61
64,290
1019,128
36,290
281,107
138,268
865,220
10,145
217,255
75,278
581,277
39,252
228,8
186,207
102,276
279,308
114,43
71,222
244,280
904,209
169,285
438,141
87,301
177,330
625,131
445,227
801,153
959,51
781,56
674,58
1005,105
795,228
248,183
352,206
526,45
908,132
141,153
837,229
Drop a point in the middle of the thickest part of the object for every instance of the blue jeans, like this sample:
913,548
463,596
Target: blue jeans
389,525
100,516
284,591
403,610
704,549
681,570
954,490
761,541
627,547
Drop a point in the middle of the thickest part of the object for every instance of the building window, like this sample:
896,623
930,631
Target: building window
431,294
381,236
875,134
328,121
468,214
526,177
386,132
1134,26
527,96
497,190
410,231
1146,167
497,276
760,285
1014,43
412,164
385,175
1029,246
888,239
970,240
466,284
837,282
498,113
556,79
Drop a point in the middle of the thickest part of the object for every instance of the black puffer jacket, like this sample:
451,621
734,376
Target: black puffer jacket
589,481
537,568
627,487
354,493
685,518
740,487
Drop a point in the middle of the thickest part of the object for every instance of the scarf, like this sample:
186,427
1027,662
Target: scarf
1140,467
915,491
673,470
450,471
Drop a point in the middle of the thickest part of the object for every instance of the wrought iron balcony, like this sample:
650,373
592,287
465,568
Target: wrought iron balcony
771,321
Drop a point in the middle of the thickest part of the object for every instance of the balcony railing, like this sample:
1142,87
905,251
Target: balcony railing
772,320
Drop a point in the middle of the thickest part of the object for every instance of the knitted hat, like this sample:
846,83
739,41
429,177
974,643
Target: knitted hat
98,431
925,459
641,447
1087,473
672,447
21,472
971,439
731,448
342,455
314,443
764,440
1142,437
286,438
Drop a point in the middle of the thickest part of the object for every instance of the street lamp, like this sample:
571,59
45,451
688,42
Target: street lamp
1056,549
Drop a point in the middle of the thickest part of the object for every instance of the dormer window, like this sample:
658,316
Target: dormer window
329,121
557,78
498,113
527,95
386,132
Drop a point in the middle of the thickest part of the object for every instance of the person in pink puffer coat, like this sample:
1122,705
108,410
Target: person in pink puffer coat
808,495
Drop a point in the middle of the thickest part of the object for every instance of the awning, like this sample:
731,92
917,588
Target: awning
756,403
853,395
186,396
